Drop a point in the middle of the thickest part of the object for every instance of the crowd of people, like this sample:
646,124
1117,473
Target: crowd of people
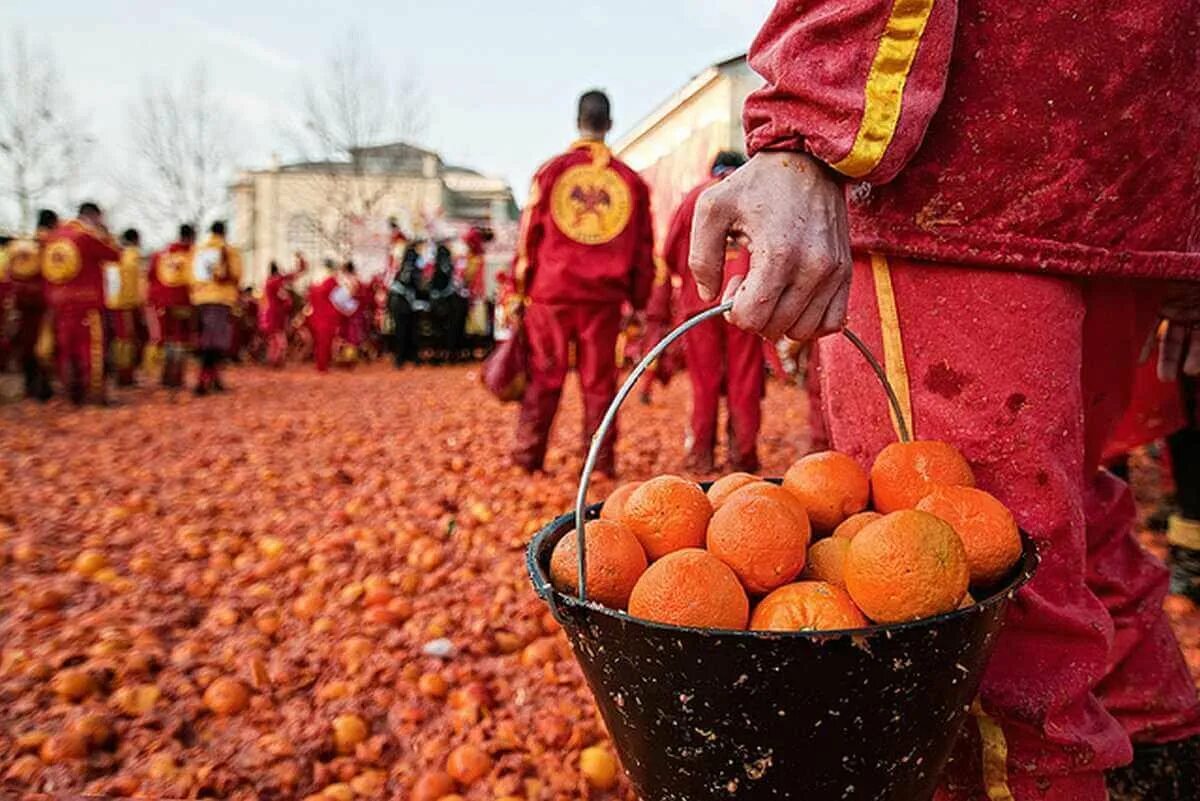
81,309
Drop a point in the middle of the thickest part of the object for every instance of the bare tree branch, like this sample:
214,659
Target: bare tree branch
351,105
182,136
42,141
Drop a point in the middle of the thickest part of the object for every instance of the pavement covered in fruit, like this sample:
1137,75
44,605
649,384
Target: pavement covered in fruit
311,586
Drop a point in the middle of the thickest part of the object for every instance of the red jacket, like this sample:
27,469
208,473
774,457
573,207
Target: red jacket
167,277
586,233
675,254
73,262
1058,136
320,299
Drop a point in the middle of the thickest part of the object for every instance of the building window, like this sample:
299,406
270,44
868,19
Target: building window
303,235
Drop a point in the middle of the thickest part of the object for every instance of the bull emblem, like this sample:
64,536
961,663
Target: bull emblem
590,200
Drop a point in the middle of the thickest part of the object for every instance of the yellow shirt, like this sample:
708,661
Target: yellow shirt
123,280
215,273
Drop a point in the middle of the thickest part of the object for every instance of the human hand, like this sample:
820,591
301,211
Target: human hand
1180,348
793,213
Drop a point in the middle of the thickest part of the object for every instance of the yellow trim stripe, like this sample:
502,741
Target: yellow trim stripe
893,343
995,755
884,92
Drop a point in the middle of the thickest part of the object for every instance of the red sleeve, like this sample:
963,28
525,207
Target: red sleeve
643,255
854,83
530,233
679,234
103,250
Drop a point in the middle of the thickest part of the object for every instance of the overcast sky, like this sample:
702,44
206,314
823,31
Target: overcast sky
502,77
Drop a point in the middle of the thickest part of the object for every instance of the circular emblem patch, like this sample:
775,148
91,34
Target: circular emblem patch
172,268
60,263
591,204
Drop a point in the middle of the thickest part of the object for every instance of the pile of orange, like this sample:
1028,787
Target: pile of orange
831,548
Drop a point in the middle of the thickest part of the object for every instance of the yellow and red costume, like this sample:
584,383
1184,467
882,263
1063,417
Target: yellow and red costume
73,261
170,308
123,302
1023,166
213,278
718,355
29,305
586,246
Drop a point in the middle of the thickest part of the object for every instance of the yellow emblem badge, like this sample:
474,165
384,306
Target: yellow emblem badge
591,204
60,262
172,268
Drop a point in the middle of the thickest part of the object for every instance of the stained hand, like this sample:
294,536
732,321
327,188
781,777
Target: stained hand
792,212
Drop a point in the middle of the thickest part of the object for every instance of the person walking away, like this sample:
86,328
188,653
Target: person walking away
324,318
585,246
402,298
1005,276
718,355
216,272
123,303
29,305
73,263
170,315
276,311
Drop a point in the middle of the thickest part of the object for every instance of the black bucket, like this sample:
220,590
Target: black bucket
869,715
864,715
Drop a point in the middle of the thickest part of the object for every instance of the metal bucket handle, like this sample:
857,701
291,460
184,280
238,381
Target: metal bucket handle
609,416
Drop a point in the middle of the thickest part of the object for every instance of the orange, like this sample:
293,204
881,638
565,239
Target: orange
691,587
667,514
761,538
777,493
614,504
827,561
468,764
807,606
854,524
986,527
907,565
725,486
615,561
905,472
831,486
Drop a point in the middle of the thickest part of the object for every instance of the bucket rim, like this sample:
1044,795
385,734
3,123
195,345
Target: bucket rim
1020,576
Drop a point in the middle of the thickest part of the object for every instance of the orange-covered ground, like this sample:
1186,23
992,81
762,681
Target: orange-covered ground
290,548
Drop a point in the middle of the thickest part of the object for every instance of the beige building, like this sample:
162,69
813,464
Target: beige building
340,209
673,146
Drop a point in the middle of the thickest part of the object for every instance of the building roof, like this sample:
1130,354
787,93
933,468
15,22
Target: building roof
682,95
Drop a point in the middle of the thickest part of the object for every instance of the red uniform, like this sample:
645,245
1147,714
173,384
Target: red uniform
171,314
1042,139
325,320
718,355
29,302
274,315
73,262
586,246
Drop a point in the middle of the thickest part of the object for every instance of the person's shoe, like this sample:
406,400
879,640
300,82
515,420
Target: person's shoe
217,386
200,391
701,462
1166,772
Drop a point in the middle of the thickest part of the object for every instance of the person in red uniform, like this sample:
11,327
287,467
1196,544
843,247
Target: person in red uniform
277,310
586,246
29,303
1015,182
123,302
5,303
325,319
717,354
169,304
73,262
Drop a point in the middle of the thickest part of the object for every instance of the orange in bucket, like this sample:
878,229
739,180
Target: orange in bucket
667,514
987,529
615,561
761,537
905,472
807,606
691,587
720,490
831,486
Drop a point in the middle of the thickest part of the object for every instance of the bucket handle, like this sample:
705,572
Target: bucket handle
589,465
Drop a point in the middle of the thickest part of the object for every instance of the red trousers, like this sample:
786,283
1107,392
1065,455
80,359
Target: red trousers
1027,374
552,329
323,336
79,348
276,347
722,357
